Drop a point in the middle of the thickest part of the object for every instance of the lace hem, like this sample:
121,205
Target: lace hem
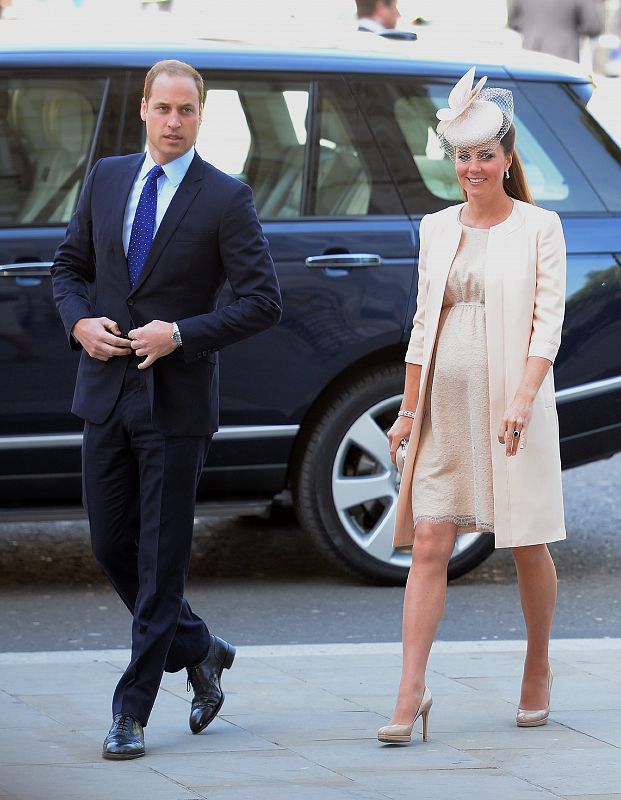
465,523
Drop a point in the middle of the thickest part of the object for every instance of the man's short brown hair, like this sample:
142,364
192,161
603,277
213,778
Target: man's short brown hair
172,67
366,8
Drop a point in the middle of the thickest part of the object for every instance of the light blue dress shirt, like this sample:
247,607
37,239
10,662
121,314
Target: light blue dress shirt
167,185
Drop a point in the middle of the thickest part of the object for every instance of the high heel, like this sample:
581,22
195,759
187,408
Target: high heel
532,719
403,733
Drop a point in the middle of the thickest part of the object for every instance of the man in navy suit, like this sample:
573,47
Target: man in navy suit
136,282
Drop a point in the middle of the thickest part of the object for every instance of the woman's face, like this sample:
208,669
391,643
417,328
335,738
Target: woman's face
480,170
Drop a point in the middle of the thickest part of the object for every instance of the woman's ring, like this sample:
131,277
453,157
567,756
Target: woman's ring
403,442
516,434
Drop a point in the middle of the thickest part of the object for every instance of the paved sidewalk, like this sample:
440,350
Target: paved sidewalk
299,723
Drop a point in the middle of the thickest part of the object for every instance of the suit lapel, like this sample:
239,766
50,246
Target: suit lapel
126,181
182,199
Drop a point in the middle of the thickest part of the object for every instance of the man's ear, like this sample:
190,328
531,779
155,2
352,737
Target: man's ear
143,109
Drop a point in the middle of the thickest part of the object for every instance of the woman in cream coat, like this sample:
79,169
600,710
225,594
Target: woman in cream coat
478,412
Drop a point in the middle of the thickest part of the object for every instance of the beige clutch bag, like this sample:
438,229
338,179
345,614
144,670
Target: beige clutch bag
400,455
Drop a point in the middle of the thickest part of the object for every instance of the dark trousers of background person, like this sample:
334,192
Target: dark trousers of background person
140,493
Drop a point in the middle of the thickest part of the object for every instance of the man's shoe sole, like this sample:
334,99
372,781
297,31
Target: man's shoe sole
121,756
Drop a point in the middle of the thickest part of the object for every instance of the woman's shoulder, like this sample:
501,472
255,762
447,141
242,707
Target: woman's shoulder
444,216
537,216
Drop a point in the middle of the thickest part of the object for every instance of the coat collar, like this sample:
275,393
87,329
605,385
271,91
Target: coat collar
504,228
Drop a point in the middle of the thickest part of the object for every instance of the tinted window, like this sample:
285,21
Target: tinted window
47,127
593,149
256,131
349,176
403,115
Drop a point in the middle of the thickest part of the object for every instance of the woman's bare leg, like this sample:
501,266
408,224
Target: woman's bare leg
537,582
423,607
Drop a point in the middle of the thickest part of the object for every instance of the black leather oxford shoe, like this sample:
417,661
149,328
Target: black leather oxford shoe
125,739
204,678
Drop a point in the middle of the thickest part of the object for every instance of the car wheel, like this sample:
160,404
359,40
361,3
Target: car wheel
346,486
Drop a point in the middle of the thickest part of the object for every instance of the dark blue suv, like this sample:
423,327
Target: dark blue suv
341,153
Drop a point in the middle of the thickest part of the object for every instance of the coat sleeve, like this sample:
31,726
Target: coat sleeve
250,271
414,354
549,307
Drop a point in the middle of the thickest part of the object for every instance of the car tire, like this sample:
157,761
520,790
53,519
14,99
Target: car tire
345,487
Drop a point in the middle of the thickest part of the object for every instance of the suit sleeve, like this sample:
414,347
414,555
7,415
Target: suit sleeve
74,264
250,271
414,354
549,307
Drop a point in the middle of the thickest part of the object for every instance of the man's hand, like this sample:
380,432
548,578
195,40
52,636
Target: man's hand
101,338
153,341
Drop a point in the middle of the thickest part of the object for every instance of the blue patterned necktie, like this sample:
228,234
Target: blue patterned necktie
143,226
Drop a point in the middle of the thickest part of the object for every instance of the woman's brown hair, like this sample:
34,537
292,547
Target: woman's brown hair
515,185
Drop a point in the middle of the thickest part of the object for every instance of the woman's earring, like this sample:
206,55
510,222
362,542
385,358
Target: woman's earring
507,173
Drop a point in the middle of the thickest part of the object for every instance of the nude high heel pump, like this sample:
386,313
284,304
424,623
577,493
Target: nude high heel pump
403,733
532,719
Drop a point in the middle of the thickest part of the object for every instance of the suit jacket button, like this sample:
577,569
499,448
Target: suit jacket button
130,302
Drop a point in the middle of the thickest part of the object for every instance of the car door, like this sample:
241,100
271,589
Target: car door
344,251
51,129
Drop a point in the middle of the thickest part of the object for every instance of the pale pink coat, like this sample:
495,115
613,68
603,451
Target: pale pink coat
524,308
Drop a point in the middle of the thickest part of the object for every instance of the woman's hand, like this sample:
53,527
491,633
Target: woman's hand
515,419
401,429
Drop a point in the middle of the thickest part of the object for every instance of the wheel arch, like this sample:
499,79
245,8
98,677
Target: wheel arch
378,358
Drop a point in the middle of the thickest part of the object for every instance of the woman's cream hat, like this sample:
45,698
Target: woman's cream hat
475,117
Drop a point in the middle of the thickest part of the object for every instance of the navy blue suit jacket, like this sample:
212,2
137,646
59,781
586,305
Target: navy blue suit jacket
209,233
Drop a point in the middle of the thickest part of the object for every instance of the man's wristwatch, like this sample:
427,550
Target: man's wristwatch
176,336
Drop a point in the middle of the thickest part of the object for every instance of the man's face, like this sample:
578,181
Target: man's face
172,115
389,15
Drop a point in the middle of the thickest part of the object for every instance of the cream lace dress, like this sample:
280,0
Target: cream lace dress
452,479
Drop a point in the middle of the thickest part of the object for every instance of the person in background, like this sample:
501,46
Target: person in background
555,26
377,16
159,5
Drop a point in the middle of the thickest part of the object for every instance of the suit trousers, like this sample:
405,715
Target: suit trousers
140,492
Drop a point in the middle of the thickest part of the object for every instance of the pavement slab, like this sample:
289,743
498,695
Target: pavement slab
300,723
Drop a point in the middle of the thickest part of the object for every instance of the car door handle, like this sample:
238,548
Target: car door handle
344,261
30,269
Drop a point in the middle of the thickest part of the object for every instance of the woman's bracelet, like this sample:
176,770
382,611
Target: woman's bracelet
403,413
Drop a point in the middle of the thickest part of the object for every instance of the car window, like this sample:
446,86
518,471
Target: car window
256,131
403,114
350,176
47,128
595,152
